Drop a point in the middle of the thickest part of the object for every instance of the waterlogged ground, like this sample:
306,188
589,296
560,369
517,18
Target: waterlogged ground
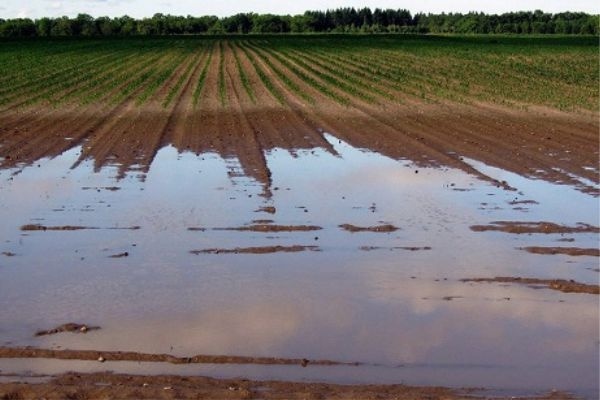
159,274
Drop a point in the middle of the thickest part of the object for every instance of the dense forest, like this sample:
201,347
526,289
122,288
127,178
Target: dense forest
340,20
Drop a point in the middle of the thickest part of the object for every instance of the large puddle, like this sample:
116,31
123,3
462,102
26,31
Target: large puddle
392,301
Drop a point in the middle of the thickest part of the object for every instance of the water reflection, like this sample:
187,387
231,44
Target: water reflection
384,307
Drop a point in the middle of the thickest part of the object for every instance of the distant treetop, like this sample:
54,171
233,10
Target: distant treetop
341,20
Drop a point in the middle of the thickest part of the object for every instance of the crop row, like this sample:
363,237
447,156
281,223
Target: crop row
313,71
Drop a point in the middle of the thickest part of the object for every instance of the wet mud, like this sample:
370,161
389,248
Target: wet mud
68,327
385,228
32,352
561,285
109,385
569,251
38,227
518,227
258,250
272,228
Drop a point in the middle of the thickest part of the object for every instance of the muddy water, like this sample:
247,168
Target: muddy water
390,300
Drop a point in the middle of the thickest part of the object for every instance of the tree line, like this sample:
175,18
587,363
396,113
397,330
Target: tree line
341,20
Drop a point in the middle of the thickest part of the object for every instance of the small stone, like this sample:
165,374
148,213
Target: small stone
168,388
101,359
83,329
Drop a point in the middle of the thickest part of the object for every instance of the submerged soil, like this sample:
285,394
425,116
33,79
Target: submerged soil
518,227
108,385
68,327
561,285
33,352
272,228
570,251
38,227
258,250
556,146
377,228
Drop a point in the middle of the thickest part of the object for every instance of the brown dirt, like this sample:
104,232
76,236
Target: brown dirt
267,209
33,352
38,227
120,255
258,250
546,144
108,385
272,228
377,228
518,227
566,286
109,188
69,327
570,251
409,248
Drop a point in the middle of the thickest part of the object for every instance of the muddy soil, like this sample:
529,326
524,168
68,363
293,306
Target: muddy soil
386,228
570,251
409,248
258,250
518,227
547,144
68,327
38,227
561,285
108,385
33,352
272,228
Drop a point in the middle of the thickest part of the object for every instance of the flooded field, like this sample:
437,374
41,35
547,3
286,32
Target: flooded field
343,254
327,210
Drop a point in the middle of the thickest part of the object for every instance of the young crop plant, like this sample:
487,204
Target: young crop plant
348,79
307,78
155,84
50,70
264,78
242,73
43,89
98,80
221,82
284,78
119,83
130,82
184,77
202,77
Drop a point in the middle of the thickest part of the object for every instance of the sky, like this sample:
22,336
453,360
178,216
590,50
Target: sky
221,8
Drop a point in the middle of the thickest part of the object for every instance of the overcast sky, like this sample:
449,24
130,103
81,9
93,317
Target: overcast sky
146,8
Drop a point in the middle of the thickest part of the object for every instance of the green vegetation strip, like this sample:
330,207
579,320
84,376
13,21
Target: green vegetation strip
264,78
202,77
284,78
184,77
221,82
309,79
243,76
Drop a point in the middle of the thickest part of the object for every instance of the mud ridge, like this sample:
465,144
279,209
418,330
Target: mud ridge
68,327
570,251
258,250
38,227
387,228
272,228
33,352
518,227
561,285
